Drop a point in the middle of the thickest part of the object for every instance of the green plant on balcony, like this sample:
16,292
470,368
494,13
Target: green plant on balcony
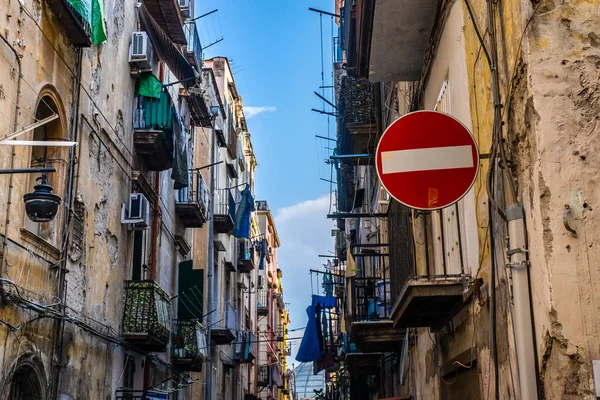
186,341
146,309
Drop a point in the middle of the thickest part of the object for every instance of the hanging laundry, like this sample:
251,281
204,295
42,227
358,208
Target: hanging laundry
325,329
309,347
320,332
241,228
262,248
276,377
328,284
179,171
324,301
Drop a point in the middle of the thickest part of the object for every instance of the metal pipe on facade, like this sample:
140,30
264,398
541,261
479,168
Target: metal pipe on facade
12,155
517,253
155,224
521,305
211,254
68,202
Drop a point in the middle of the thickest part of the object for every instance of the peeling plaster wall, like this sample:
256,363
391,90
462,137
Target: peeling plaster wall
99,253
549,86
559,93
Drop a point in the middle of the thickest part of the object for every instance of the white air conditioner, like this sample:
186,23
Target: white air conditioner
140,51
184,7
137,212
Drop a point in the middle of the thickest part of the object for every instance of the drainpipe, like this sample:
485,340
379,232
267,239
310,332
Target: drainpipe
12,157
211,254
62,268
521,303
155,224
521,310
153,262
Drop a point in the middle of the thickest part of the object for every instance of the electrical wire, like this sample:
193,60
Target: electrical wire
73,74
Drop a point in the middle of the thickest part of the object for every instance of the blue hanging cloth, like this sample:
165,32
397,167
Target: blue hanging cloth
309,347
263,253
241,228
323,301
328,284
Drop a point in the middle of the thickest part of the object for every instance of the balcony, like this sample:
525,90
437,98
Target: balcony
245,262
189,346
192,202
264,376
280,331
400,33
168,17
286,385
371,328
360,366
186,8
262,205
224,212
246,350
193,50
153,131
146,316
356,117
75,25
429,292
262,305
129,394
280,303
226,330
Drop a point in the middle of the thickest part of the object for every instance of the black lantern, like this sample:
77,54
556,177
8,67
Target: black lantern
41,205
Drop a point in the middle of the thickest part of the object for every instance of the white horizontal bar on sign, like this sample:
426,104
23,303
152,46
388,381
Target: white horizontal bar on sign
426,159
40,143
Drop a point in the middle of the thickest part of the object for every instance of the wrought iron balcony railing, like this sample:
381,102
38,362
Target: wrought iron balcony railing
428,268
224,211
189,345
146,315
264,376
262,302
75,25
245,256
193,48
371,299
192,203
226,329
130,394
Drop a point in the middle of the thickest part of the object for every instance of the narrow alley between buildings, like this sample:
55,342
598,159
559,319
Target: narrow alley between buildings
158,192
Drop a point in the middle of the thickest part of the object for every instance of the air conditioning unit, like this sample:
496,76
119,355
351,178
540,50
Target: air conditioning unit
137,212
140,51
185,8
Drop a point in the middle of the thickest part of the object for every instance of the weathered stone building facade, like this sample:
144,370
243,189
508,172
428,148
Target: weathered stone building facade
110,299
473,315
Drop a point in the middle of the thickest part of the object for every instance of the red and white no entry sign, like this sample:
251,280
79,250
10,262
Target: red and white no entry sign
427,160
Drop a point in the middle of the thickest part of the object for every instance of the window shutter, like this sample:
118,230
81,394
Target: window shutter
191,292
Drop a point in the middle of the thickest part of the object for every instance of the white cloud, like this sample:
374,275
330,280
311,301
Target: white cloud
304,232
250,112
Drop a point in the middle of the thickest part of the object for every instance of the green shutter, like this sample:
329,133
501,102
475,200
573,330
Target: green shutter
191,292
138,243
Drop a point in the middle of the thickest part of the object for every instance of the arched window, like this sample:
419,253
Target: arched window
25,384
55,157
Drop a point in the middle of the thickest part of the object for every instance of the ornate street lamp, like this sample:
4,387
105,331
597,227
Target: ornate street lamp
41,205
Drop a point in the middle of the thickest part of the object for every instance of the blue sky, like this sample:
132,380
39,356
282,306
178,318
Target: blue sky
275,49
